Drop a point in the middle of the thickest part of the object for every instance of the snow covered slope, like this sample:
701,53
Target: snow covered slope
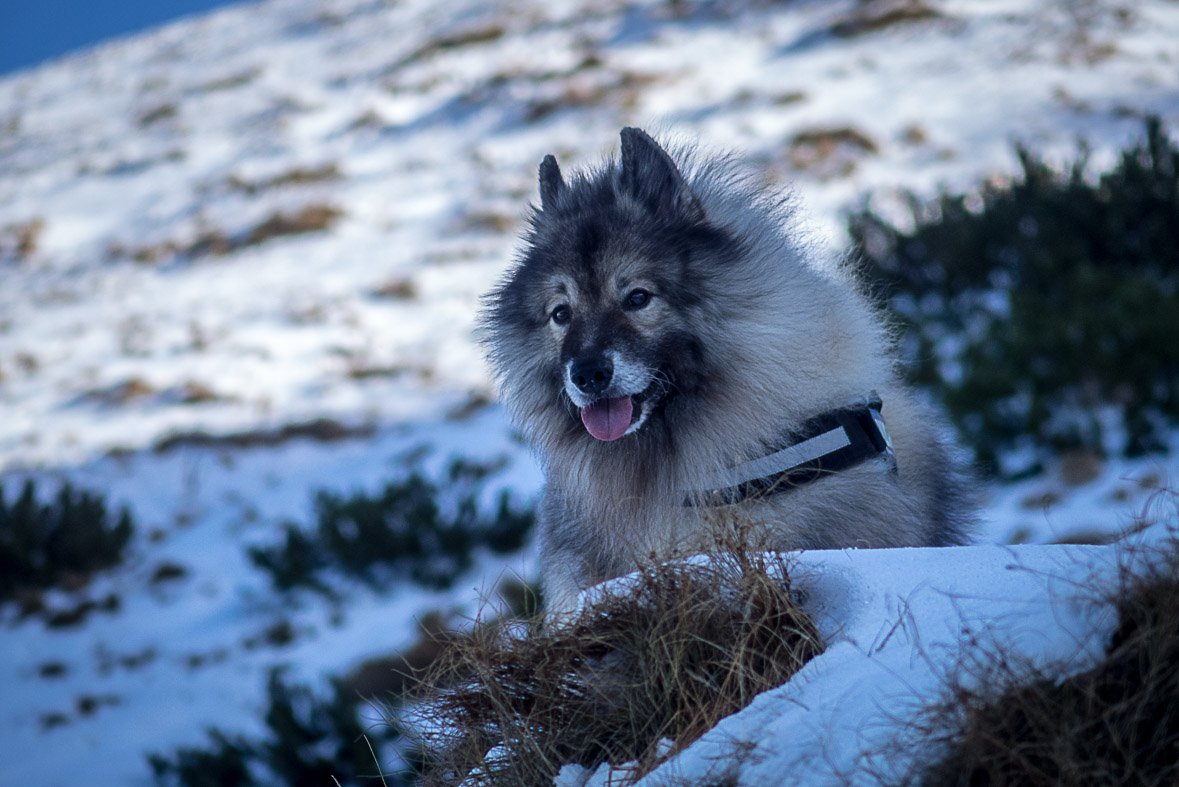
898,624
150,189
286,211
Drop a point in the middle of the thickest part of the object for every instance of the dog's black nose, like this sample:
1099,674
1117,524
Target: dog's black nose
591,375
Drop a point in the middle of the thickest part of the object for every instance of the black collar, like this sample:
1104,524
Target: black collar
827,443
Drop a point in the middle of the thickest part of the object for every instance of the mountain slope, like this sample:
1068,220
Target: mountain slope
241,255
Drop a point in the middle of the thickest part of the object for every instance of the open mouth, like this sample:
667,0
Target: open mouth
609,418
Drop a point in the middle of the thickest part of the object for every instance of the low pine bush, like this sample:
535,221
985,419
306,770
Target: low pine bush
410,528
312,740
1043,313
44,544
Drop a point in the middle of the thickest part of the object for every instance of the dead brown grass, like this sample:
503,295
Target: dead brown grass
19,241
297,176
212,242
455,39
320,430
396,289
156,114
874,15
1116,724
313,218
680,648
830,152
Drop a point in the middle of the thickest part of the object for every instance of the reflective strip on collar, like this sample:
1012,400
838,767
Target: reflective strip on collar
785,460
831,442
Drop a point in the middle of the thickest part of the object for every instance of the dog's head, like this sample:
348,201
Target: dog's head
600,325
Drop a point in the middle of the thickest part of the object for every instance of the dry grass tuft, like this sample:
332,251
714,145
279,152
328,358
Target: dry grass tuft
830,152
313,218
679,648
875,15
19,242
1116,724
320,430
297,176
156,114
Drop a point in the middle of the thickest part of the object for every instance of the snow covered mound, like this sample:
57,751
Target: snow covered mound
899,624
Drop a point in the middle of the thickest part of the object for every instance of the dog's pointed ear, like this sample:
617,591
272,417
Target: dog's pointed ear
650,176
551,183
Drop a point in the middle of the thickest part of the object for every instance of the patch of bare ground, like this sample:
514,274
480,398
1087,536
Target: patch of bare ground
157,114
787,98
680,648
363,370
231,81
120,393
455,39
214,242
472,406
195,661
85,706
313,218
395,289
322,430
195,392
830,152
27,363
369,119
76,615
136,390
129,661
293,177
50,670
486,221
279,634
621,88
18,242
167,571
875,15
914,135
89,704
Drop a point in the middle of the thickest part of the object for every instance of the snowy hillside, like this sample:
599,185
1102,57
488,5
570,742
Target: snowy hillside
241,256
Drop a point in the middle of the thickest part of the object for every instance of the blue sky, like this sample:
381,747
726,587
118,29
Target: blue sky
32,31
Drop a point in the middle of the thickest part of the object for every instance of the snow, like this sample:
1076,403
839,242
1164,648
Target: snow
144,146
897,623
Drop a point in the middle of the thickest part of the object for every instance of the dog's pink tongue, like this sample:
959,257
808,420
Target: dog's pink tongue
608,419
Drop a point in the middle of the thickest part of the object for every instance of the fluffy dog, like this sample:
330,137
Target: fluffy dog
676,356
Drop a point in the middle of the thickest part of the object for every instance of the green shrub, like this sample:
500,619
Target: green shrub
311,740
42,544
406,529
224,764
1035,310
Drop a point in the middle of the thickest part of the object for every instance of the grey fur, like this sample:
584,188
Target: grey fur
551,183
745,337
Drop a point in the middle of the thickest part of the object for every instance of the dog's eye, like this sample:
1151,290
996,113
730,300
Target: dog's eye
561,314
638,299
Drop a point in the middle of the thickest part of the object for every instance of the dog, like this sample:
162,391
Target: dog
675,356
